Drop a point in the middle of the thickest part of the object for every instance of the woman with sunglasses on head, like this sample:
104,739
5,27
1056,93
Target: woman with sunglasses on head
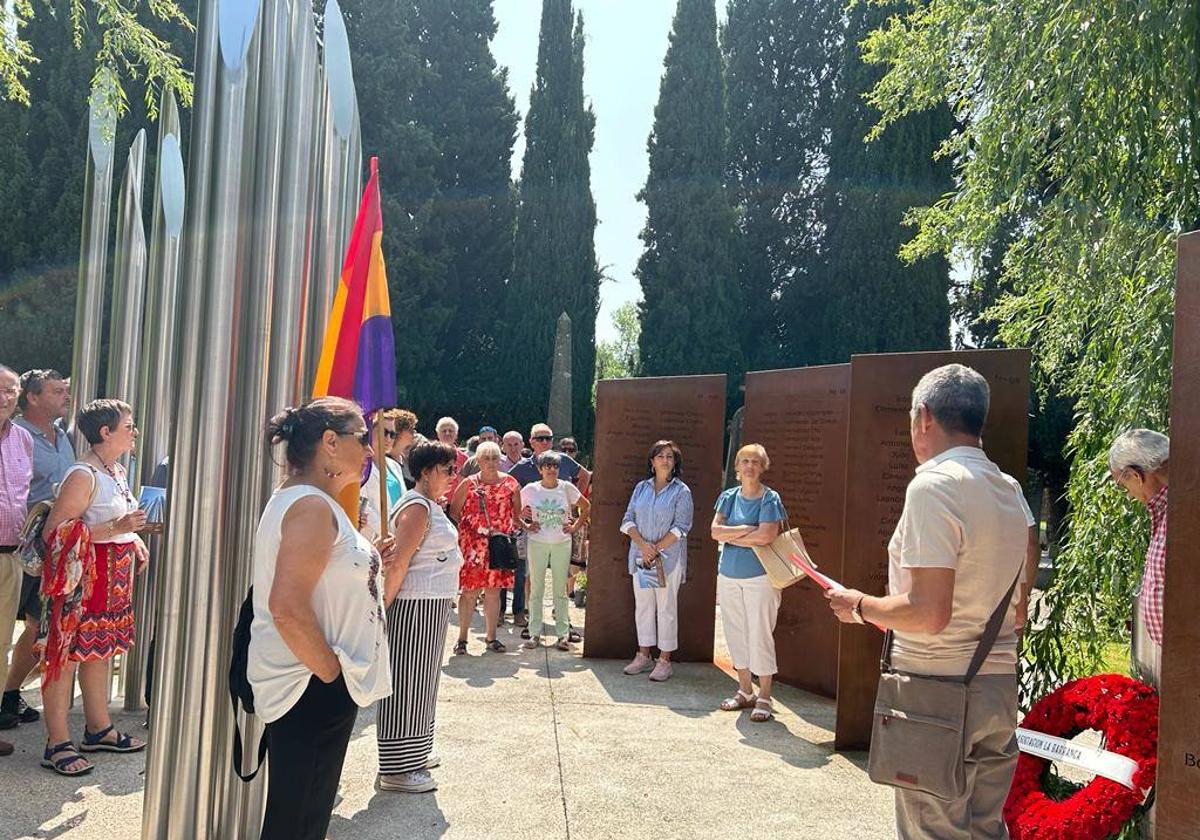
318,644
93,522
546,516
423,580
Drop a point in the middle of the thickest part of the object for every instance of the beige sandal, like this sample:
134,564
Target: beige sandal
739,701
763,710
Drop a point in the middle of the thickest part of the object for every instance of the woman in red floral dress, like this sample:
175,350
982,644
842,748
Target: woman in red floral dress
487,502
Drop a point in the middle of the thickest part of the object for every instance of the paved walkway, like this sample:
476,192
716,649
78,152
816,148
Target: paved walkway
539,745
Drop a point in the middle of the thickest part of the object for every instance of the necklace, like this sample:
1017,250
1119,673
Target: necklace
122,485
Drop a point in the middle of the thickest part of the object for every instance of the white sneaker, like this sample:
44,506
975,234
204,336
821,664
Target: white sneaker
434,760
640,664
415,781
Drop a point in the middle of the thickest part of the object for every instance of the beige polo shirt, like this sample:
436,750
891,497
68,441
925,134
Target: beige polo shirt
961,512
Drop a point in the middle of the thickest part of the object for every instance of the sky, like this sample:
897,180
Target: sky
623,55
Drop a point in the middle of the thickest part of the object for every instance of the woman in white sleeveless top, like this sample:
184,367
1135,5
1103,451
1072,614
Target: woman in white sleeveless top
424,580
318,644
94,492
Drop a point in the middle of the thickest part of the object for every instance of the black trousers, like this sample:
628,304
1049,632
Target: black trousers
305,752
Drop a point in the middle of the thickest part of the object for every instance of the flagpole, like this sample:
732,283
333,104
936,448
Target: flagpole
381,468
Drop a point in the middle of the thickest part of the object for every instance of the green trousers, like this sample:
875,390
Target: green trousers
558,557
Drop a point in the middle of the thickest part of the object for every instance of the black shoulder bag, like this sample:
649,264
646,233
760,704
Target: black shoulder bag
502,548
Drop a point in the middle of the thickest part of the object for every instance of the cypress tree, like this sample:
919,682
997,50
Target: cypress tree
436,107
861,297
554,257
780,59
690,301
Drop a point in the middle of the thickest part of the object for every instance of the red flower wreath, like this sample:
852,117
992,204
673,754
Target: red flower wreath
1125,712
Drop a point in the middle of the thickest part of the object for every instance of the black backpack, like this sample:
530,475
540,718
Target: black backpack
239,685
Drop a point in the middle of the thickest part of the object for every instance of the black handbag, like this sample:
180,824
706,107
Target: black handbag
502,548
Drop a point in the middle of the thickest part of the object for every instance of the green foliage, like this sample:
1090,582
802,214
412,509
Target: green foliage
780,66
436,108
860,297
619,359
128,45
42,156
1091,141
554,256
688,270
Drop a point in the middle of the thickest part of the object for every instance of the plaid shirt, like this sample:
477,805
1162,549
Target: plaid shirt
1150,598
16,471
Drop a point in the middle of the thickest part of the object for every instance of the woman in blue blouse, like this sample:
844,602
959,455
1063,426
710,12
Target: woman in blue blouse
657,522
748,515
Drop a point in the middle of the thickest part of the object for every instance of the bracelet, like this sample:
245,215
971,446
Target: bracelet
856,611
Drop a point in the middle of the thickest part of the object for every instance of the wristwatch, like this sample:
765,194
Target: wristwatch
856,611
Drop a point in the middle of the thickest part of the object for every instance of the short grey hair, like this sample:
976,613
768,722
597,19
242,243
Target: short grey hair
446,421
487,449
1143,449
549,457
957,396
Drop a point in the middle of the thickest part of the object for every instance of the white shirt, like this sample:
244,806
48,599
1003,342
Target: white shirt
433,570
551,510
347,600
961,512
109,502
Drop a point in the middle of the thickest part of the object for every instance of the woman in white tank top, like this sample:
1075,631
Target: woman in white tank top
423,580
318,645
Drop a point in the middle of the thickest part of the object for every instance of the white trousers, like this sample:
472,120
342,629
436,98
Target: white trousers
656,612
749,607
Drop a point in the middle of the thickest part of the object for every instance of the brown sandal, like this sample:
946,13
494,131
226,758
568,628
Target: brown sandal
764,710
739,701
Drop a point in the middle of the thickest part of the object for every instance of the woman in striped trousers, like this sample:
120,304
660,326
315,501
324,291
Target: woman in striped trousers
423,580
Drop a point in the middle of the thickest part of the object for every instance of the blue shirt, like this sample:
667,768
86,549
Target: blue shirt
50,460
738,561
526,470
657,514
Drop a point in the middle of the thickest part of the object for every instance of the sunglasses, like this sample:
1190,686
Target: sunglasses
542,437
570,450
451,469
388,433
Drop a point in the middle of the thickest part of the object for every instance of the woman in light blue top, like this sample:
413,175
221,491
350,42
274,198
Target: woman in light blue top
657,521
746,516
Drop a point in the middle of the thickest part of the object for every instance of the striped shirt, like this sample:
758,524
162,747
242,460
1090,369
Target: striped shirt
1150,598
669,511
16,471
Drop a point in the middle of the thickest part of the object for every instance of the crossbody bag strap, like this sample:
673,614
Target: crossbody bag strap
487,517
992,629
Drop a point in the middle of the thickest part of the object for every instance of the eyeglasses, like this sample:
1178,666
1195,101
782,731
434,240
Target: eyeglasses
570,450
450,469
542,437
363,437
549,467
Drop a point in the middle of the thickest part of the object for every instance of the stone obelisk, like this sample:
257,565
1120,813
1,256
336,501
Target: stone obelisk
558,413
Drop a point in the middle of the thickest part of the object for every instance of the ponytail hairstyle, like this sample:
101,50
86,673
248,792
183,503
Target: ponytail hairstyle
302,428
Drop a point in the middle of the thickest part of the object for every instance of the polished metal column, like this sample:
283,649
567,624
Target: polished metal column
154,374
129,280
294,235
93,246
333,219
181,798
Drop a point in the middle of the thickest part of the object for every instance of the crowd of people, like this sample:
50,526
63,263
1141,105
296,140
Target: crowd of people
345,617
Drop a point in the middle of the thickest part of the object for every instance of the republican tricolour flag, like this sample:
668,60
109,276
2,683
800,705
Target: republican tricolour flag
358,357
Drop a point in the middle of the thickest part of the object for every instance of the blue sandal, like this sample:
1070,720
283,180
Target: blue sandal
70,756
94,742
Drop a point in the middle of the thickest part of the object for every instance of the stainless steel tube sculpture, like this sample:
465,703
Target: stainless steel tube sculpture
93,245
125,330
154,373
334,223
241,815
181,798
129,279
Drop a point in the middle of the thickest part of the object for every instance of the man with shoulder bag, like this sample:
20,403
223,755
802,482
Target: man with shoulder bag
961,563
